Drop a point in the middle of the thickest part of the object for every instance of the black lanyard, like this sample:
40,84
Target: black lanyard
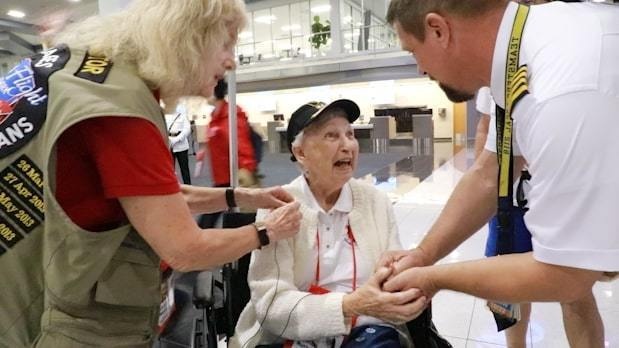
516,87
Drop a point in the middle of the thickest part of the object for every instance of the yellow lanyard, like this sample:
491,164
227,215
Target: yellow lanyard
515,88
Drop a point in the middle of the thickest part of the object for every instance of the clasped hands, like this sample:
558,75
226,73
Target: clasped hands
397,292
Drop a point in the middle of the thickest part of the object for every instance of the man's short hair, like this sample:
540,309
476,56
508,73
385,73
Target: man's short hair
410,14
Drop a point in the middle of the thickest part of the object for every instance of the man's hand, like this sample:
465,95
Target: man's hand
264,198
395,307
283,222
416,278
401,260
389,258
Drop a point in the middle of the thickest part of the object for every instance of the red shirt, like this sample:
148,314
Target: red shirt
103,158
217,137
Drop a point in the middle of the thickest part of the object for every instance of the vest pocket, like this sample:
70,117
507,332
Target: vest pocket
131,279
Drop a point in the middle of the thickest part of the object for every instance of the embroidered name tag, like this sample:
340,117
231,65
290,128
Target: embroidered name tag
94,68
22,208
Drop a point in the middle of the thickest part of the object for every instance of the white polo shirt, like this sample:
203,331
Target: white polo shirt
567,129
336,256
484,102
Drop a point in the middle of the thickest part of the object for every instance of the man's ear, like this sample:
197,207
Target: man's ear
437,29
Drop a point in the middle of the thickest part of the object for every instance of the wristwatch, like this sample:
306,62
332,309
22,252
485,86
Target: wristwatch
230,201
261,228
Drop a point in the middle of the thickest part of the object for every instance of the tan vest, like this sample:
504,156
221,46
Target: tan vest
57,280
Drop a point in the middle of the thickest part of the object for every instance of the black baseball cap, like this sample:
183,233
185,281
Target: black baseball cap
308,113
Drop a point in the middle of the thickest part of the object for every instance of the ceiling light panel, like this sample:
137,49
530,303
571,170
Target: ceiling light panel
16,14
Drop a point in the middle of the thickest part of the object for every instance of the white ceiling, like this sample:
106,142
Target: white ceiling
36,9
16,35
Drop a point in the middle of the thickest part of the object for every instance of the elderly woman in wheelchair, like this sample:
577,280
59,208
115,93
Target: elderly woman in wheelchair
320,289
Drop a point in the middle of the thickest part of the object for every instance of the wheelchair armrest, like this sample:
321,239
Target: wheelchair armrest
424,320
424,333
203,290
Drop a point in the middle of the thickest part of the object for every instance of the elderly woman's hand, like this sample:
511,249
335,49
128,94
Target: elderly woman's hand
264,198
283,222
393,307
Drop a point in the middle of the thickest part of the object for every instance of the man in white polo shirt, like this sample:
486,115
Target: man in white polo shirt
563,96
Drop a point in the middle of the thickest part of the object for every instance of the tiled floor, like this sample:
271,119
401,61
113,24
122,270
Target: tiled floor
463,319
420,186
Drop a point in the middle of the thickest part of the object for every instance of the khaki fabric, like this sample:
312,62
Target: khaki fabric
63,286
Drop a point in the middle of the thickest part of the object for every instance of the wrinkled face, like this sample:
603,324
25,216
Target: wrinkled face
329,153
434,58
220,60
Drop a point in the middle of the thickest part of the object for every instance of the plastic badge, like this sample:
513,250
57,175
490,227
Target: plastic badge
167,306
505,314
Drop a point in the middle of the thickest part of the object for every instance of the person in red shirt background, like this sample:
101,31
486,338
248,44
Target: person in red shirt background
217,138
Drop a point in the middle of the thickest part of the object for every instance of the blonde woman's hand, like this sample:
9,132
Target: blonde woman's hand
283,222
262,198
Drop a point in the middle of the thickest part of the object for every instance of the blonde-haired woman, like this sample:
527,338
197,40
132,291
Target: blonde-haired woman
319,289
177,47
94,204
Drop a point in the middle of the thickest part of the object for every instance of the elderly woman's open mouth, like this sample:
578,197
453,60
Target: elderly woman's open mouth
343,163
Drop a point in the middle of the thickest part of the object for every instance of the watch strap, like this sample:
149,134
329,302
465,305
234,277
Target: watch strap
262,234
230,198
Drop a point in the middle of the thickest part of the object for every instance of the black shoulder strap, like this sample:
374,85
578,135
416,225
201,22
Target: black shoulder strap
171,124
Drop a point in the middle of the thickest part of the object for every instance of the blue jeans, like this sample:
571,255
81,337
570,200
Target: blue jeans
372,336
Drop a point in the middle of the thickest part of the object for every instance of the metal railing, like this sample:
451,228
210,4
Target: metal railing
353,40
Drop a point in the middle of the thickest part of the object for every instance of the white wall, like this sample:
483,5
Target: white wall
107,7
199,107
261,106
426,92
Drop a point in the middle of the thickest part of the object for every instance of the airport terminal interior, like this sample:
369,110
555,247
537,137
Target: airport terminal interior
414,143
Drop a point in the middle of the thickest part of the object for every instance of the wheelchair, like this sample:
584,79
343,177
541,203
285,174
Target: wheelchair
219,296
208,303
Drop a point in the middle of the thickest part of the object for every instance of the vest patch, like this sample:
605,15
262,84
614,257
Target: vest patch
94,68
23,98
22,208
